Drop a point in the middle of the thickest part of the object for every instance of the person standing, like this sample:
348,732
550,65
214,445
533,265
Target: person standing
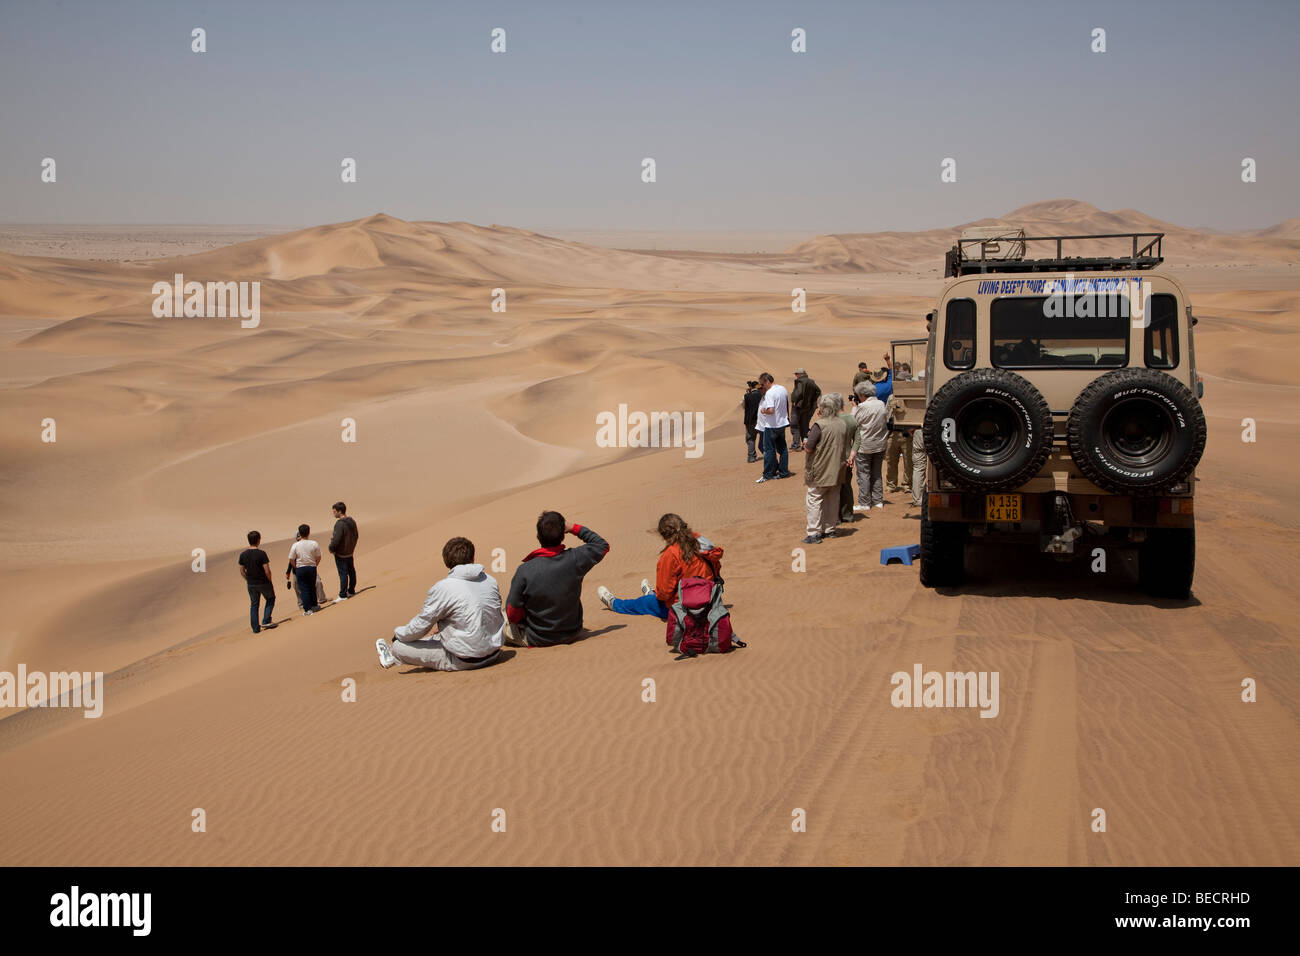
869,447
863,375
774,418
918,468
343,542
255,569
803,403
826,451
884,380
846,473
752,397
304,557
897,445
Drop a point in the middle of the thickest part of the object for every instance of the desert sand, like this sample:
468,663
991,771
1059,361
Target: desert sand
182,433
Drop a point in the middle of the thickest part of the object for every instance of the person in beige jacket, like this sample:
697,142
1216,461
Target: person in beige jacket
827,451
897,445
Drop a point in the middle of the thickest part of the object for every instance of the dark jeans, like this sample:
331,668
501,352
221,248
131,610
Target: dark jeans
776,456
255,594
305,578
347,575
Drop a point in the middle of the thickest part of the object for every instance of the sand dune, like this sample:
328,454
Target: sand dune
176,434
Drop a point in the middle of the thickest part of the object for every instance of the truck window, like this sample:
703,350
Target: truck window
1162,334
908,362
1025,334
959,334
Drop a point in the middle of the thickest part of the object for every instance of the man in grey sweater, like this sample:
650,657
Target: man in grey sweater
545,602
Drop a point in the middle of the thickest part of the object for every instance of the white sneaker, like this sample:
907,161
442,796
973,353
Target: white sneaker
339,599
606,596
878,506
862,507
645,587
308,613
386,658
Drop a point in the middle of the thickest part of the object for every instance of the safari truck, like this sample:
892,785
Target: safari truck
1060,406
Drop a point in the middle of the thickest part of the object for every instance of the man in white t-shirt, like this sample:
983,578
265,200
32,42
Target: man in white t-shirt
773,419
304,557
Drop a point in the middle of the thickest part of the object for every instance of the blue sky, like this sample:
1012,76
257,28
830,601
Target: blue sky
745,133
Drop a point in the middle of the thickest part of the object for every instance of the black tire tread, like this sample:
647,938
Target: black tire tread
1122,377
1037,406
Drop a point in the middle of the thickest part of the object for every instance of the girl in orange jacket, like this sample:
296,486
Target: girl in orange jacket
686,554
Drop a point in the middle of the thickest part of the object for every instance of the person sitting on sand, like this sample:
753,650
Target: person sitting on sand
686,555
304,557
545,603
465,606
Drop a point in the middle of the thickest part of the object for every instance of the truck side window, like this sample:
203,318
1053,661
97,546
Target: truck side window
959,334
1162,334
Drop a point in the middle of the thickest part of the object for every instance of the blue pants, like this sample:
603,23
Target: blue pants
776,456
347,575
645,604
305,578
255,593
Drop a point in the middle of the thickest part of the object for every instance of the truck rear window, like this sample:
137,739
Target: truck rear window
1025,335
959,334
1162,333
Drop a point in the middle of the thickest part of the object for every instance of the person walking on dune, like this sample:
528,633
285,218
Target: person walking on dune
304,558
465,607
343,542
255,569
545,602
774,417
686,554
826,451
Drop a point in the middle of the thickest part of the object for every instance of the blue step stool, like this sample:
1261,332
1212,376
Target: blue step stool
905,554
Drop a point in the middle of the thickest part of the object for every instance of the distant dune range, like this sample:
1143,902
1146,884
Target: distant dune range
175,434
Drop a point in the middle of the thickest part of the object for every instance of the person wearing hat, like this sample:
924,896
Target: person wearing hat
803,402
751,399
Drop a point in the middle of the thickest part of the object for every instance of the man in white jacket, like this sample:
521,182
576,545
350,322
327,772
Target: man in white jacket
466,608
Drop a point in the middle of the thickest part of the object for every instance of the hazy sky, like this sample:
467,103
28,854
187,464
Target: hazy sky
746,134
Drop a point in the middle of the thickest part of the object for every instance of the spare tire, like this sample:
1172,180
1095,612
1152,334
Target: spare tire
1136,431
999,430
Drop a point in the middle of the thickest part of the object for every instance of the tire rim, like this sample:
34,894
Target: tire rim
1137,433
990,431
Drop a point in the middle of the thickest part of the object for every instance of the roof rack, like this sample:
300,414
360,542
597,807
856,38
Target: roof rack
962,260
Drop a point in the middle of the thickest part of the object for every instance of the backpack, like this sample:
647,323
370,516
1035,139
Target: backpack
699,623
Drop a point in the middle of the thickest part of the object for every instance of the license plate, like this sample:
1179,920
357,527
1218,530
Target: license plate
1001,507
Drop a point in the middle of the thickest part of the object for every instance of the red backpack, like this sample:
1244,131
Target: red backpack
699,623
